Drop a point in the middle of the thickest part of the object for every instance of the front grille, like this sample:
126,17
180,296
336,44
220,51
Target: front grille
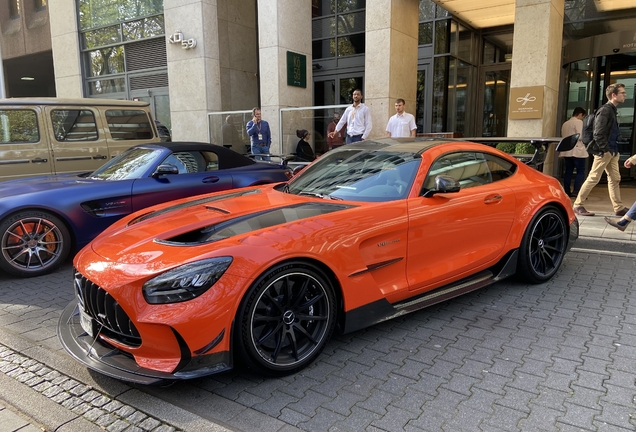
112,321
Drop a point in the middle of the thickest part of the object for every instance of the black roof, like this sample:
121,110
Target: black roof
227,158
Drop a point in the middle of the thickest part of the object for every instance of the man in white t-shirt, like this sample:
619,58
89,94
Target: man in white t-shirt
402,124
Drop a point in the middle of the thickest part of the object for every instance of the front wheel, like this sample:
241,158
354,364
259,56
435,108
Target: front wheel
543,246
33,243
286,319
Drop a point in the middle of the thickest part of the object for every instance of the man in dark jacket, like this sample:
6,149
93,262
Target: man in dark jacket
606,153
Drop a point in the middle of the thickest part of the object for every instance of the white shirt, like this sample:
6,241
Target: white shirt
400,126
571,127
358,120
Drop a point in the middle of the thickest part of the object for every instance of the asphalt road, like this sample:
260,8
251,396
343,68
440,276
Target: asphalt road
512,357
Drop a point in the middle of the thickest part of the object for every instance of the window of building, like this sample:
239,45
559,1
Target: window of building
338,28
74,125
18,126
129,124
39,4
14,8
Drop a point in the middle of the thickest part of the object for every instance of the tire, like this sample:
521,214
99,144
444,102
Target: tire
33,243
285,319
543,246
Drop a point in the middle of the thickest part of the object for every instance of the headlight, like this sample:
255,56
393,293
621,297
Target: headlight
185,282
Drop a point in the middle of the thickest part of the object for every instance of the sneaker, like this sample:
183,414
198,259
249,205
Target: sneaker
620,224
622,212
581,211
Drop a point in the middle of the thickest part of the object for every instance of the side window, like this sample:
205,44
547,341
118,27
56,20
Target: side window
470,169
187,162
18,126
129,124
211,161
74,125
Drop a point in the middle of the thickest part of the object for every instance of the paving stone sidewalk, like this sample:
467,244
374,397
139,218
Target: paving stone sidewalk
512,357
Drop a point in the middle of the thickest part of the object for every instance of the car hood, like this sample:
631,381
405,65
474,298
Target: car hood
43,183
183,229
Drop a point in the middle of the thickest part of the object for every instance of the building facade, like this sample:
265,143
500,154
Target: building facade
461,66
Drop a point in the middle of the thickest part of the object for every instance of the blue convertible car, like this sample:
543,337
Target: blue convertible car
43,218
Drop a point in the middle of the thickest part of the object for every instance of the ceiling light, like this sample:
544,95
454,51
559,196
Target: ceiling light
27,79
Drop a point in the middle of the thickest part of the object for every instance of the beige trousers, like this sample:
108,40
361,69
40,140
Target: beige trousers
609,164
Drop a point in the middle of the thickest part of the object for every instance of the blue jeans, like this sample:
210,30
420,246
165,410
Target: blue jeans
353,138
632,212
260,149
570,164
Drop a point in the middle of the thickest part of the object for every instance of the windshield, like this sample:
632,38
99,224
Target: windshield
131,164
358,175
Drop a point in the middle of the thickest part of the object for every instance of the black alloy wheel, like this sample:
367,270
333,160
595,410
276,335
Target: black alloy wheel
33,243
286,320
543,246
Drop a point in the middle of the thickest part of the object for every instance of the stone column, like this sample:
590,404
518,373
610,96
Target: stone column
536,61
219,74
283,25
390,59
65,46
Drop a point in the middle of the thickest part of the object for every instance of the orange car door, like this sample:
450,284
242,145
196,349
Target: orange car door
454,234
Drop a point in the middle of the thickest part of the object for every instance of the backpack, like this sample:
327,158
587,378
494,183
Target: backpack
587,134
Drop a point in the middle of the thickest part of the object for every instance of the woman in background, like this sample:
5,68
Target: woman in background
304,152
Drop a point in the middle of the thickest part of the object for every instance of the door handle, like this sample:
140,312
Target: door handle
39,160
212,179
99,157
493,199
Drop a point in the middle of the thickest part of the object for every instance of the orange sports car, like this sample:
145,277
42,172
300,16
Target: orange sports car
263,275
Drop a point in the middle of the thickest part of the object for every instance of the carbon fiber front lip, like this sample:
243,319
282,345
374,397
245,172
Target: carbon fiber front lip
115,364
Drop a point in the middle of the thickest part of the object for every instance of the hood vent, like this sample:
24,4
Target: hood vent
194,203
252,222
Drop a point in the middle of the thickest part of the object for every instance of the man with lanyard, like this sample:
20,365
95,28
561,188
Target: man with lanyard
260,134
357,118
605,153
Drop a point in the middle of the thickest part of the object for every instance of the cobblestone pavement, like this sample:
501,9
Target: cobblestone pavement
512,357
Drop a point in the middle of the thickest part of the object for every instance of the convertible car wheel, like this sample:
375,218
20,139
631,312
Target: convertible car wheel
543,246
286,319
33,243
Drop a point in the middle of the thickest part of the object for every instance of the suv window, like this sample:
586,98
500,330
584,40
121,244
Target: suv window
18,126
129,125
74,125
470,169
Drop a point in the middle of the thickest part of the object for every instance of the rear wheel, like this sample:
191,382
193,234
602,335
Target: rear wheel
543,246
33,243
286,319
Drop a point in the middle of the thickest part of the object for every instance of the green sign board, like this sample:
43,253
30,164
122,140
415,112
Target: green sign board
296,69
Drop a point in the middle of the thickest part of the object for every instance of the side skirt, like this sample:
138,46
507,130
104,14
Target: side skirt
382,310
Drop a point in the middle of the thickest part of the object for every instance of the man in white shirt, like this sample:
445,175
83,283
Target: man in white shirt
402,124
357,118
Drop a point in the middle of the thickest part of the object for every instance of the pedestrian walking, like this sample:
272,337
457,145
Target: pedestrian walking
357,118
605,153
574,159
401,124
622,222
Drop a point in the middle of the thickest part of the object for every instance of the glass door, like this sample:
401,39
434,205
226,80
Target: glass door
493,100
424,98
618,68
331,90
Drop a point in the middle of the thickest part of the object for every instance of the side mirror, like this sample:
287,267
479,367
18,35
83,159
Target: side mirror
165,169
443,184
567,143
